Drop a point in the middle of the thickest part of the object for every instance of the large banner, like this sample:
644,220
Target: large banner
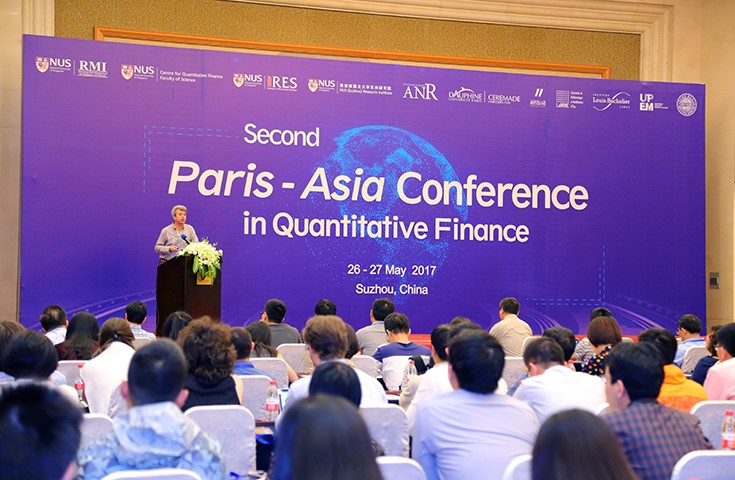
445,190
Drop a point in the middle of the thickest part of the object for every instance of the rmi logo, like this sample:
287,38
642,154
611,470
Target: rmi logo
426,91
87,68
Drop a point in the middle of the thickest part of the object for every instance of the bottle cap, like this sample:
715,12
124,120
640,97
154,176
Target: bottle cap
728,413
80,365
272,382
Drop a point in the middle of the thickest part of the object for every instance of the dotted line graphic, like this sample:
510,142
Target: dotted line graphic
581,302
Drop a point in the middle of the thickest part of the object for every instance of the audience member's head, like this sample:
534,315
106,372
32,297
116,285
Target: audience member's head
604,331
726,341
600,312
52,317
458,328
710,342
353,344
510,305
325,307
459,321
439,341
115,329
39,433
397,323
476,361
541,354
136,312
30,354
662,339
242,341
208,349
690,324
82,337
565,338
382,307
275,310
8,330
634,371
558,453
261,335
156,374
326,337
175,323
323,438
336,378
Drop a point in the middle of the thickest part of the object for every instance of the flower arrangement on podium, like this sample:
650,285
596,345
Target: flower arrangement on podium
207,259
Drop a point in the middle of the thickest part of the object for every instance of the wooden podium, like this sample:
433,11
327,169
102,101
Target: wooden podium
177,289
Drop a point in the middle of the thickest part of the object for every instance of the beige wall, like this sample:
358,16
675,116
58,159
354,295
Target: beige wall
680,40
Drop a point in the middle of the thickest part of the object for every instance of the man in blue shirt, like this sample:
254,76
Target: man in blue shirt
689,330
395,355
243,343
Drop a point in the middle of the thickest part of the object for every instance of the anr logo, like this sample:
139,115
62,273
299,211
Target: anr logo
426,91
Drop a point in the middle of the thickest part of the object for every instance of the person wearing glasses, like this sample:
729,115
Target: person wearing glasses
690,327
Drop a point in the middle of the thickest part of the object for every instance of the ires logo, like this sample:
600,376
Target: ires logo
46,64
425,91
284,84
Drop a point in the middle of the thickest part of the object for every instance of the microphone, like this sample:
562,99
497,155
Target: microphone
183,237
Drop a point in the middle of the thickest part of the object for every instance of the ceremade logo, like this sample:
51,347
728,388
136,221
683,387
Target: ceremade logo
686,104
420,91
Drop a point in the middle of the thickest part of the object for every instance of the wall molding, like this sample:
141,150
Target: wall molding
38,17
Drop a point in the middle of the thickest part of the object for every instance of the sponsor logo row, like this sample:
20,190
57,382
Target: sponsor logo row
686,103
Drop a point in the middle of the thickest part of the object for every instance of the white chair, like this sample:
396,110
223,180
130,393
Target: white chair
255,388
692,357
627,339
233,426
296,356
388,425
70,369
518,469
367,364
141,342
526,341
276,368
154,474
400,468
602,409
514,368
705,465
710,414
94,426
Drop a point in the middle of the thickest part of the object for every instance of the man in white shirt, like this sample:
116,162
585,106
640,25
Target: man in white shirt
53,321
472,433
510,331
720,381
552,386
373,336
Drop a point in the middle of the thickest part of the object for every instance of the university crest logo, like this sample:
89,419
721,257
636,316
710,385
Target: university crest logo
42,64
238,79
126,71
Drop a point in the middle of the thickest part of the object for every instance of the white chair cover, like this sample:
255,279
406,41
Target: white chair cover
233,426
70,369
705,465
254,389
138,343
296,356
367,364
518,469
400,468
692,357
388,425
627,339
526,341
710,414
276,368
118,404
602,409
514,368
154,474
94,426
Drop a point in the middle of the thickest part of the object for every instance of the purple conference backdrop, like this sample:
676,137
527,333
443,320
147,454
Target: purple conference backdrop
444,189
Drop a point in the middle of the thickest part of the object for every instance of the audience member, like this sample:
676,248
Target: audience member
8,330
459,321
689,330
210,357
353,344
273,315
336,378
243,343
583,351
136,313
603,333
471,433
323,438
82,338
720,381
373,336
394,356
261,335
325,307
558,453
703,365
175,323
153,433
53,321
39,433
552,386
677,391
510,331
566,340
653,436
109,367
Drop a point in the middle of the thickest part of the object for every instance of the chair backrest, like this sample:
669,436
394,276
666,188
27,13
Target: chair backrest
276,368
233,426
154,474
70,369
118,404
254,389
94,426
388,425
526,341
138,343
627,339
514,368
296,356
602,409
705,465
710,414
400,468
518,469
692,357
367,364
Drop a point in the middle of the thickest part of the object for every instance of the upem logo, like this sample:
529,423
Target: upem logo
247,79
51,64
89,68
648,105
138,72
281,83
420,91
466,95
317,85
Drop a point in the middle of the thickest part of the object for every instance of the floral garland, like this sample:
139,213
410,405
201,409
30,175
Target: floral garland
207,259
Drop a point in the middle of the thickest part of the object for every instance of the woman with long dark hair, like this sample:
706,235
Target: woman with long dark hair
82,338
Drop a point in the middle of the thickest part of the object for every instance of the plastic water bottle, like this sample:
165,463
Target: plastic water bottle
271,402
728,431
408,372
79,386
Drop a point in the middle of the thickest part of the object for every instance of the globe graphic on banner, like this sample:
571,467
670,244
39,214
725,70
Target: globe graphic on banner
387,152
